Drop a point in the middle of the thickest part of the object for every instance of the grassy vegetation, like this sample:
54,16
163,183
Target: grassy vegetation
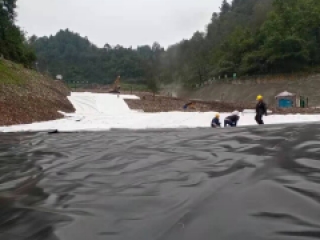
11,73
124,87
134,87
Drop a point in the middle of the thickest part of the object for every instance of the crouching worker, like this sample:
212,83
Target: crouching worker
215,123
232,120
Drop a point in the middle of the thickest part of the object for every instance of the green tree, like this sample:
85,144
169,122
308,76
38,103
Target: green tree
13,44
225,7
77,59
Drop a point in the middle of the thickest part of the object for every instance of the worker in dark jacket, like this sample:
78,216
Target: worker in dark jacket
261,109
232,120
215,123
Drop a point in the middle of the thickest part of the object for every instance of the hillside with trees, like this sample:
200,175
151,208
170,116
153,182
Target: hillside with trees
77,59
250,37
13,43
247,37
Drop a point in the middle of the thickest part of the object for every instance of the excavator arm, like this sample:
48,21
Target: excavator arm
116,85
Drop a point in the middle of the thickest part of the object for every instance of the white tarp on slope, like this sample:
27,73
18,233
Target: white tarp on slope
105,111
99,103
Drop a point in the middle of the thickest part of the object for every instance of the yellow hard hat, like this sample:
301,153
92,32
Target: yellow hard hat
217,115
259,97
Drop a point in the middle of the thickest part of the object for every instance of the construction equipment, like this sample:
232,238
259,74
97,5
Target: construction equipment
116,86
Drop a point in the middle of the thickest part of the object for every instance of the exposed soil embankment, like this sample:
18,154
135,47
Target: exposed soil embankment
148,103
27,96
247,90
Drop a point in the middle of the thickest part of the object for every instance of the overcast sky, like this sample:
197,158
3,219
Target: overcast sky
124,22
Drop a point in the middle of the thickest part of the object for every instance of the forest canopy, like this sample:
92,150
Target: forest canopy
77,59
246,37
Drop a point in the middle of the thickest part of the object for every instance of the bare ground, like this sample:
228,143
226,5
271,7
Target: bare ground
27,96
247,91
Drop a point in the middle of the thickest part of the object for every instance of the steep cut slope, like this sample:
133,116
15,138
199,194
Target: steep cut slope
246,92
27,96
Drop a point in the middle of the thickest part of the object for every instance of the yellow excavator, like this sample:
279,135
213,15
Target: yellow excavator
116,86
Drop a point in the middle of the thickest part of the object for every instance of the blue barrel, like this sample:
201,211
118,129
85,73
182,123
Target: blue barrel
285,103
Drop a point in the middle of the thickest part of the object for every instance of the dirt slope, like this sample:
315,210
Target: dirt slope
27,96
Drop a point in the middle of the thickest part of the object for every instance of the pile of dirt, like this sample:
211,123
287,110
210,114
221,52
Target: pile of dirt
27,96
